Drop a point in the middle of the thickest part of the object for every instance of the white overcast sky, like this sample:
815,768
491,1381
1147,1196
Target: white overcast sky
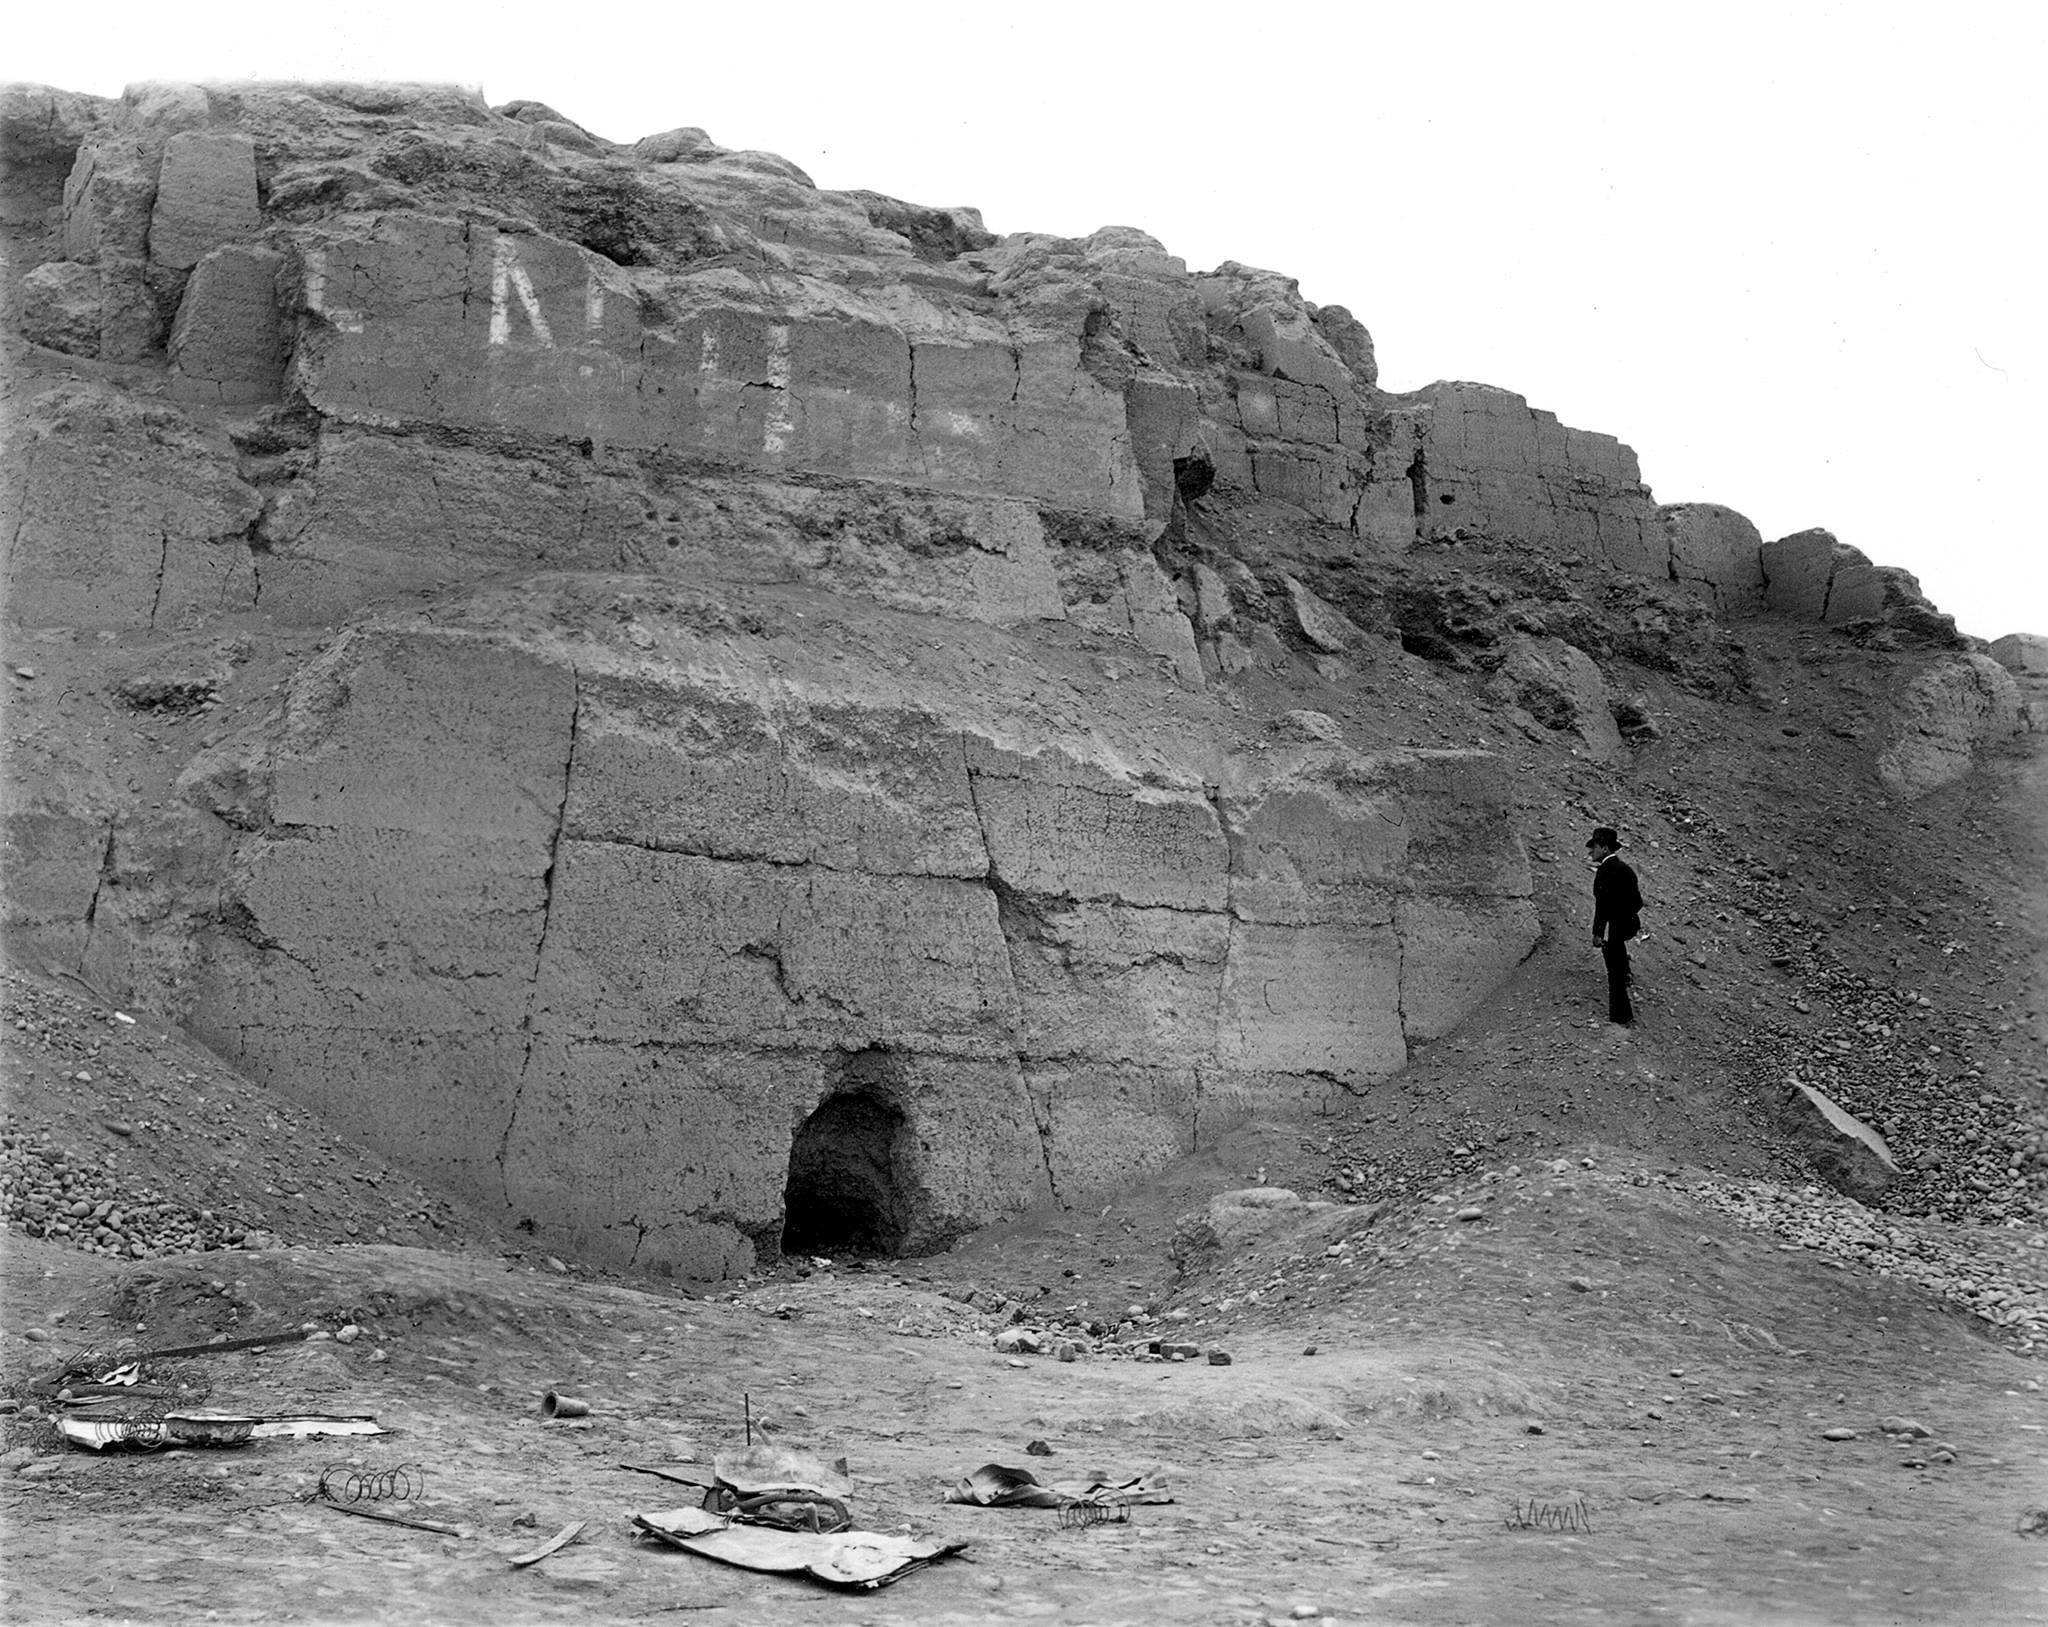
1789,252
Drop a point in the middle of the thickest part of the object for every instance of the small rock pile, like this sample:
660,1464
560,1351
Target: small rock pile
49,1192
1064,1342
1017,1323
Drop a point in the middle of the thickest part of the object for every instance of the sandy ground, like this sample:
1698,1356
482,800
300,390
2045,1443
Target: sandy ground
1679,1395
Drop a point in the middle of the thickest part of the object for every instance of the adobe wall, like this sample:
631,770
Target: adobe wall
723,628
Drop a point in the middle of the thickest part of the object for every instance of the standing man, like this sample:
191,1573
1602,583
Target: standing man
1617,917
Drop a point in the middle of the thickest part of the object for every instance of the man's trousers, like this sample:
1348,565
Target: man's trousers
1614,950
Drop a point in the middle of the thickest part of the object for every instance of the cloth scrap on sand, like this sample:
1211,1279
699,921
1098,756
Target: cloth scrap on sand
848,1559
995,1486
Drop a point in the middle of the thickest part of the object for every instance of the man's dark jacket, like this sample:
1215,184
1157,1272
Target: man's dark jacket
1617,901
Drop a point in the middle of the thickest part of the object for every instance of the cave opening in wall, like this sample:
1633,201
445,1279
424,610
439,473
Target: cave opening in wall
847,1193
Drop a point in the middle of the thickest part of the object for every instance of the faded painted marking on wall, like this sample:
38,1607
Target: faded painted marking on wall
509,277
347,320
778,425
593,308
707,383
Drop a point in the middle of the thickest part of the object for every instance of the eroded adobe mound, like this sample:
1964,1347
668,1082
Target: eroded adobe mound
676,701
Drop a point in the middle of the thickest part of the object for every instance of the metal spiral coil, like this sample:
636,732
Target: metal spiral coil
143,1427
342,1483
1081,1512
1573,1517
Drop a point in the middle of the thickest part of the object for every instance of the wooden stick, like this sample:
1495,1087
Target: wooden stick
670,1474
287,1336
568,1533
389,1519
284,1337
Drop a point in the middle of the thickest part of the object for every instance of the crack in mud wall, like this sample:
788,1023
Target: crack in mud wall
540,947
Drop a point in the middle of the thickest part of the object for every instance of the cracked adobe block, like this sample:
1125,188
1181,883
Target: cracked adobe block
127,518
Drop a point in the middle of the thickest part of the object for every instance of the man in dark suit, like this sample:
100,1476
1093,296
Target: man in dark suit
1617,917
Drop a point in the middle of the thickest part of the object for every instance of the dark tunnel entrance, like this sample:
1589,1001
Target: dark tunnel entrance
845,1192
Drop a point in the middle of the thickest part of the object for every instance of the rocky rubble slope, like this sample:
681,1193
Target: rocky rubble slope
129,1142
1265,1255
679,704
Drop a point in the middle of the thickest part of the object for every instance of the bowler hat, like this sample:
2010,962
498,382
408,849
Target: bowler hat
1603,836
